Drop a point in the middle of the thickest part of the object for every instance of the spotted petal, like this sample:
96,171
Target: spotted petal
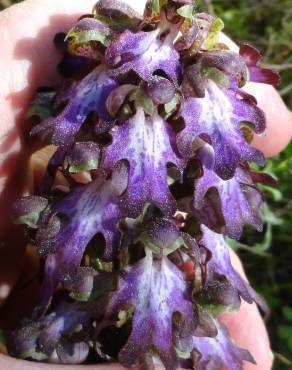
144,53
147,143
216,118
50,337
220,263
220,351
88,95
156,289
238,198
71,224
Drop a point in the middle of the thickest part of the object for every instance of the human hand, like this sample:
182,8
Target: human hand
28,60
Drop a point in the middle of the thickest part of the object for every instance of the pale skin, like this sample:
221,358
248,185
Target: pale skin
28,60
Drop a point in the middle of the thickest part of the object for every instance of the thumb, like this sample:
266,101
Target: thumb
28,59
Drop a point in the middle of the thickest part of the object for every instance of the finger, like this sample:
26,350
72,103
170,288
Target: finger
278,118
248,330
28,59
14,364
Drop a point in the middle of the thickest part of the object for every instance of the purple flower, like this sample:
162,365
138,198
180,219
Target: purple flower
135,51
51,338
70,225
152,133
220,351
152,286
147,144
220,264
238,199
216,119
81,99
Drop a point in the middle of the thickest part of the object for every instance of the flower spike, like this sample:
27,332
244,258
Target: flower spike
151,171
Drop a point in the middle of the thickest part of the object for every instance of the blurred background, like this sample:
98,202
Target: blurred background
266,24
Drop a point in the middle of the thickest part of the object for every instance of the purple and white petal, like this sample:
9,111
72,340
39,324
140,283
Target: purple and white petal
72,223
220,263
156,289
143,53
147,143
216,118
39,338
88,95
220,351
239,200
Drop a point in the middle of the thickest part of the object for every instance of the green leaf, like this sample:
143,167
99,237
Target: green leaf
285,332
232,243
186,11
214,32
265,243
287,313
269,216
275,193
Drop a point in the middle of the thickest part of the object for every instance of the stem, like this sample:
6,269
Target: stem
209,7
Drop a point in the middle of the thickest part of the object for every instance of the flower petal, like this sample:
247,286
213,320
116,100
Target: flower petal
42,104
28,210
151,287
220,263
147,144
218,116
117,14
38,339
143,53
220,351
160,90
238,198
88,37
72,223
88,95
117,98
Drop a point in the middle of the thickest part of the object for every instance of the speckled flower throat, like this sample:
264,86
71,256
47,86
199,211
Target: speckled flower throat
152,132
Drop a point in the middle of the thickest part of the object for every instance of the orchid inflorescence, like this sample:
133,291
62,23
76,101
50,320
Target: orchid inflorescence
152,132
